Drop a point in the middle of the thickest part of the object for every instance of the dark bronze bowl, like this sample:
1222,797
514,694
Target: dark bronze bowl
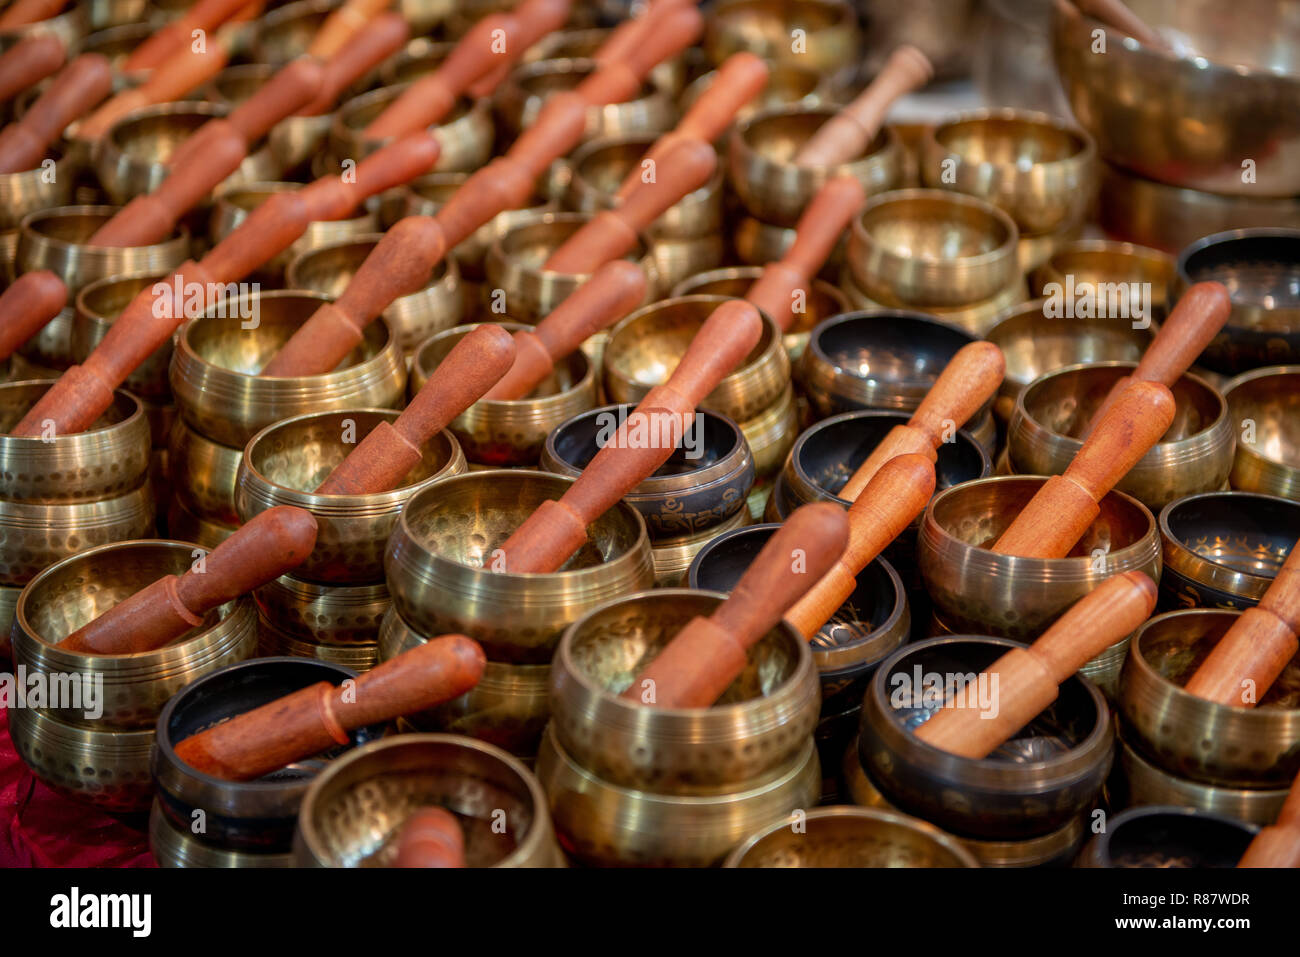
1168,837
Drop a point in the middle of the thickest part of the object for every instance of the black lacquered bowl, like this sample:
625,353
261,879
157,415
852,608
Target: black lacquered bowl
1168,837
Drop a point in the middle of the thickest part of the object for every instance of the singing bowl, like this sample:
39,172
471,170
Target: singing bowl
203,474
1265,405
644,348
420,57
1200,740
704,481
1168,837
1051,772
46,185
515,260
104,767
1169,218
511,432
1261,269
976,589
521,95
234,85
214,373
287,31
509,707
604,825
1038,169
97,306
1146,784
1098,261
134,155
108,459
235,201
273,642
440,554
757,243
1223,549
465,134
667,75
172,846
185,525
437,306
845,836
672,557
68,27
286,462
254,815
132,688
762,722
353,812
926,247
1181,117
870,625
1194,455
764,27
787,84
772,187
975,318
315,613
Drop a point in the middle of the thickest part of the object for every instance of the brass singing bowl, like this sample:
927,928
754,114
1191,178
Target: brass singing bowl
413,318
1182,118
1194,455
501,433
1038,169
218,357
788,84
756,243
465,135
522,94
976,318
823,300
1193,738
1168,837
704,481
926,247
1035,340
762,171
77,590
667,75
316,613
763,27
108,459
645,347
184,524
420,57
1265,405
100,766
440,555
844,836
234,85
174,846
97,306
354,811
509,707
515,261
30,191
976,589
287,31
1100,261
1261,270
203,474
1223,549
287,461
8,606
1146,784
359,656
1048,774
672,557
1169,218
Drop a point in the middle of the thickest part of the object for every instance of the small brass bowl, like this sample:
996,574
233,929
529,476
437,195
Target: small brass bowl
1051,772
329,268
1099,261
185,525
772,433
704,482
976,318
672,557
764,27
360,656
284,464
511,432
759,725
203,474
287,31
313,613
100,766
1265,406
353,812
215,380
30,191
420,57
569,43
258,815
173,846
823,301
234,85
1038,169
98,305
762,171
788,84
851,837
1194,455
858,636
1168,837
514,265
132,689
925,247
108,459
1145,784
645,347
976,589
1223,549
509,707
603,825
440,553
465,134
520,97
1193,738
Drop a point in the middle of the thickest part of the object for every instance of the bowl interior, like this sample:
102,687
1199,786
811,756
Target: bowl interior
1246,533
1261,34
1272,403
74,227
329,270
543,78
1109,264
708,441
850,840
106,300
1034,344
152,136
646,347
1009,141
236,84
1066,402
895,349
777,137
1258,270
357,114
563,376
1176,840
819,305
605,168
934,229
529,245
17,398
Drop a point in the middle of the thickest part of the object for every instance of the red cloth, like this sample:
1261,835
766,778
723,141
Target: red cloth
41,828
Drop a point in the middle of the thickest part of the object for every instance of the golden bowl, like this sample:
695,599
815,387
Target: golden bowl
357,656
788,84
832,44
287,31
185,525
100,766
772,433
203,474
30,191
668,75
1265,406
315,613
1099,261
420,57
976,319
465,134
97,306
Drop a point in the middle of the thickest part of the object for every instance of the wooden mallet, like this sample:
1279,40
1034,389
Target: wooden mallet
1279,844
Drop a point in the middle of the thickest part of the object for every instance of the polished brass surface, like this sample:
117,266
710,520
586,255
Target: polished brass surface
313,612
420,57
1265,406
764,27
287,31
203,474
1097,261
772,433
673,556
173,847
788,84
185,525
104,767
520,97
30,191
97,306
356,655
465,134
975,319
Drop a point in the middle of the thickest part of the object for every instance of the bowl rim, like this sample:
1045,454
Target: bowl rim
1084,154
35,442
29,230
1247,378
1007,248
1242,584
1226,237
